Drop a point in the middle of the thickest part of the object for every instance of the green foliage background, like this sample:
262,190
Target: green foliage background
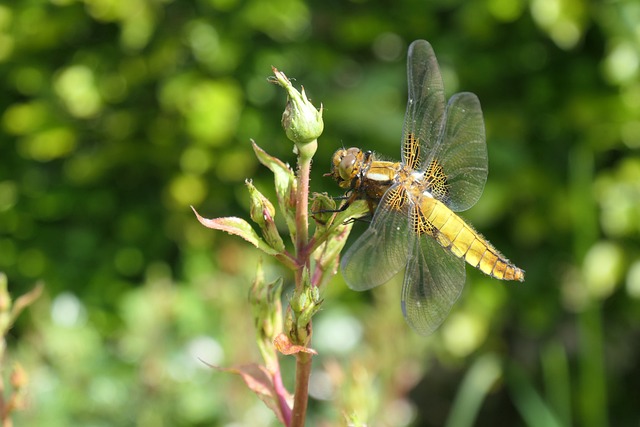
116,115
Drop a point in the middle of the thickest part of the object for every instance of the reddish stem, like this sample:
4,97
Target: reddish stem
301,397
303,360
281,392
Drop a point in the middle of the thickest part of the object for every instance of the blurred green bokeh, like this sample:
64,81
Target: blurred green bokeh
116,115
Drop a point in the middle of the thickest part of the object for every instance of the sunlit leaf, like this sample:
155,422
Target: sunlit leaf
333,228
239,227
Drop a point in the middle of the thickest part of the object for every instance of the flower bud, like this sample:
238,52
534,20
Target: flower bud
304,303
266,307
301,121
286,187
323,208
262,213
265,301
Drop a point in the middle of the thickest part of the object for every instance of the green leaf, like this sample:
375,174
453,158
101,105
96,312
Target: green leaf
332,231
333,228
260,381
357,209
475,387
534,410
239,227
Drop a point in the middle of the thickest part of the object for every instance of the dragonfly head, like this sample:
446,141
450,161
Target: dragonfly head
346,164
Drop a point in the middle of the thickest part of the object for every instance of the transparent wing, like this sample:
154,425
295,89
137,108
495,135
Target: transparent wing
433,281
461,150
454,136
381,251
425,105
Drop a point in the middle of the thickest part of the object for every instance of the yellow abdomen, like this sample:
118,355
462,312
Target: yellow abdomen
453,233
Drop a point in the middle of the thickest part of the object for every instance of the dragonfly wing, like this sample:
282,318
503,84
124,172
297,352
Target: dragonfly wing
433,281
425,105
381,251
462,151
453,136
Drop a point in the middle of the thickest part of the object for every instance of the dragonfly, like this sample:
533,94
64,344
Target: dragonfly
443,170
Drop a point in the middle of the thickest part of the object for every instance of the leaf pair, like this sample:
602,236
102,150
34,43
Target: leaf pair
263,212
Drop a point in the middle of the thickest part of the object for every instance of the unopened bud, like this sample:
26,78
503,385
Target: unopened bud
301,121
267,315
263,213
323,208
304,303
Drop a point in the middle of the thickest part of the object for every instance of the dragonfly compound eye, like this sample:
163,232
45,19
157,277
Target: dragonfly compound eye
346,167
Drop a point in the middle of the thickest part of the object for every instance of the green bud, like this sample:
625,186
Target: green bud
301,121
265,302
264,299
333,230
312,306
262,213
304,303
323,208
289,322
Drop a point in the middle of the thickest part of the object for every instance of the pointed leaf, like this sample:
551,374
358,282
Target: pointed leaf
357,209
239,227
331,233
339,225
326,255
260,381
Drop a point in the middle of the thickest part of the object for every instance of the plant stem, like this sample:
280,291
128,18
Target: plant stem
287,260
301,396
280,393
303,360
302,216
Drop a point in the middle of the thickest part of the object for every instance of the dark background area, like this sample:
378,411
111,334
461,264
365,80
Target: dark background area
116,116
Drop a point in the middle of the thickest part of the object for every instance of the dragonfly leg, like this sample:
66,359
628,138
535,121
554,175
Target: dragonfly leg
349,199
